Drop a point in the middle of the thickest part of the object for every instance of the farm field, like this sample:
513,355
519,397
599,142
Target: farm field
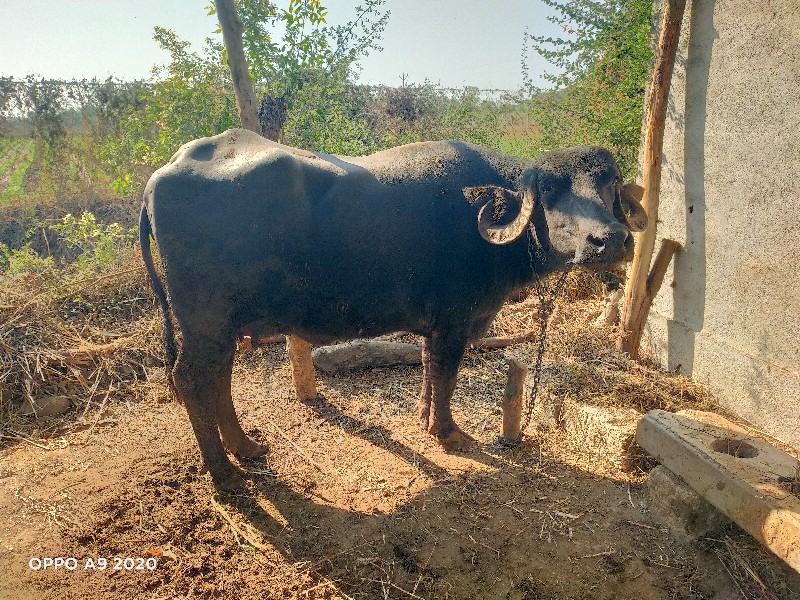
16,158
354,500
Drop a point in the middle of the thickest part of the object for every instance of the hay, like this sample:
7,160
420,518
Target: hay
581,361
89,338
99,338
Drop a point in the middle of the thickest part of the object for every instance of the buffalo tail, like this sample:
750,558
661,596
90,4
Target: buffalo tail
145,232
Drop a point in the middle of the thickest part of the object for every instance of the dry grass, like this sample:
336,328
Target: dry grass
91,339
354,501
98,338
581,361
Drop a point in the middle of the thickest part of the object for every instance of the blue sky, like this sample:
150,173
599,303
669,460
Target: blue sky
451,42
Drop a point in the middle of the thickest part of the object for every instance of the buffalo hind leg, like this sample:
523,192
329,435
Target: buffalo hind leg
198,375
425,395
234,438
444,360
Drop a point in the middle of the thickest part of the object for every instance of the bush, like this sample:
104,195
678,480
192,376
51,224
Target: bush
97,246
604,68
24,260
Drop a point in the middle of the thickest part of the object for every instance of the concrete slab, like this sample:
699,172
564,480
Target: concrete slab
671,502
741,475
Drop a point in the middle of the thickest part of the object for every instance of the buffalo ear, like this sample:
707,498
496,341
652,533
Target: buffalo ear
630,200
498,205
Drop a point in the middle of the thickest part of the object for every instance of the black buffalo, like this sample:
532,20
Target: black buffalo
429,238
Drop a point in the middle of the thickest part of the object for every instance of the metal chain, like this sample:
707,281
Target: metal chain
547,300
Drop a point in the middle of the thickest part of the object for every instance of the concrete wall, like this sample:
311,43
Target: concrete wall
729,312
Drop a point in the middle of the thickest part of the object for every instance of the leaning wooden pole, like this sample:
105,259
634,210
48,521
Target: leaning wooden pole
299,350
638,295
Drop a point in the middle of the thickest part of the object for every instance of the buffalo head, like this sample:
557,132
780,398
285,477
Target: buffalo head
573,201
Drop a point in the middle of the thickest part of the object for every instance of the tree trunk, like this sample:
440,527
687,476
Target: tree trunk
231,27
299,350
637,294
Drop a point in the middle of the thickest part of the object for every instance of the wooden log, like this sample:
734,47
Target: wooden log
631,339
364,354
504,341
635,309
367,354
302,368
246,342
513,401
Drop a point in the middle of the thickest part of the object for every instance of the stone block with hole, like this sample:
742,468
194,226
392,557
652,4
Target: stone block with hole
675,505
743,476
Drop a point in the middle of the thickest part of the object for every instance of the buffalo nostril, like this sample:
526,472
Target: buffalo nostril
595,241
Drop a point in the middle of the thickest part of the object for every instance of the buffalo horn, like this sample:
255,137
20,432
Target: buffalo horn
505,234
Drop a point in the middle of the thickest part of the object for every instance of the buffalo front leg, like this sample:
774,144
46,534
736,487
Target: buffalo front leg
425,395
234,438
445,357
199,374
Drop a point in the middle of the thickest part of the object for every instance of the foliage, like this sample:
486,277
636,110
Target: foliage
309,47
97,132
427,112
83,247
327,116
17,261
190,98
18,164
604,64
70,121
98,246
43,100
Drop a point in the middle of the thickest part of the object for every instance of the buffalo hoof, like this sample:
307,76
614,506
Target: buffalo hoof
455,440
230,481
249,449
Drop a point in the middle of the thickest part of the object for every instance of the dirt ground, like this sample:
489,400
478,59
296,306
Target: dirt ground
354,502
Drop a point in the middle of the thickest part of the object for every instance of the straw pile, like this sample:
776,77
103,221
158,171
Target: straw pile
99,338
581,361
87,340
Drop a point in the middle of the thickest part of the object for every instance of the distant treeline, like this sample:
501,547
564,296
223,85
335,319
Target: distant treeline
106,131
133,123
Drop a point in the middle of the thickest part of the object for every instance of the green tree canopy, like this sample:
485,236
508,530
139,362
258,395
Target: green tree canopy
308,66
602,68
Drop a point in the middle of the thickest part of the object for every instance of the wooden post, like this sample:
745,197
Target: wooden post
302,368
513,401
637,298
231,25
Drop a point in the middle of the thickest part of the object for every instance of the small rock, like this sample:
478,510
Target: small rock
49,406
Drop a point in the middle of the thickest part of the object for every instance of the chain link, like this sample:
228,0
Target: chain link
547,300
